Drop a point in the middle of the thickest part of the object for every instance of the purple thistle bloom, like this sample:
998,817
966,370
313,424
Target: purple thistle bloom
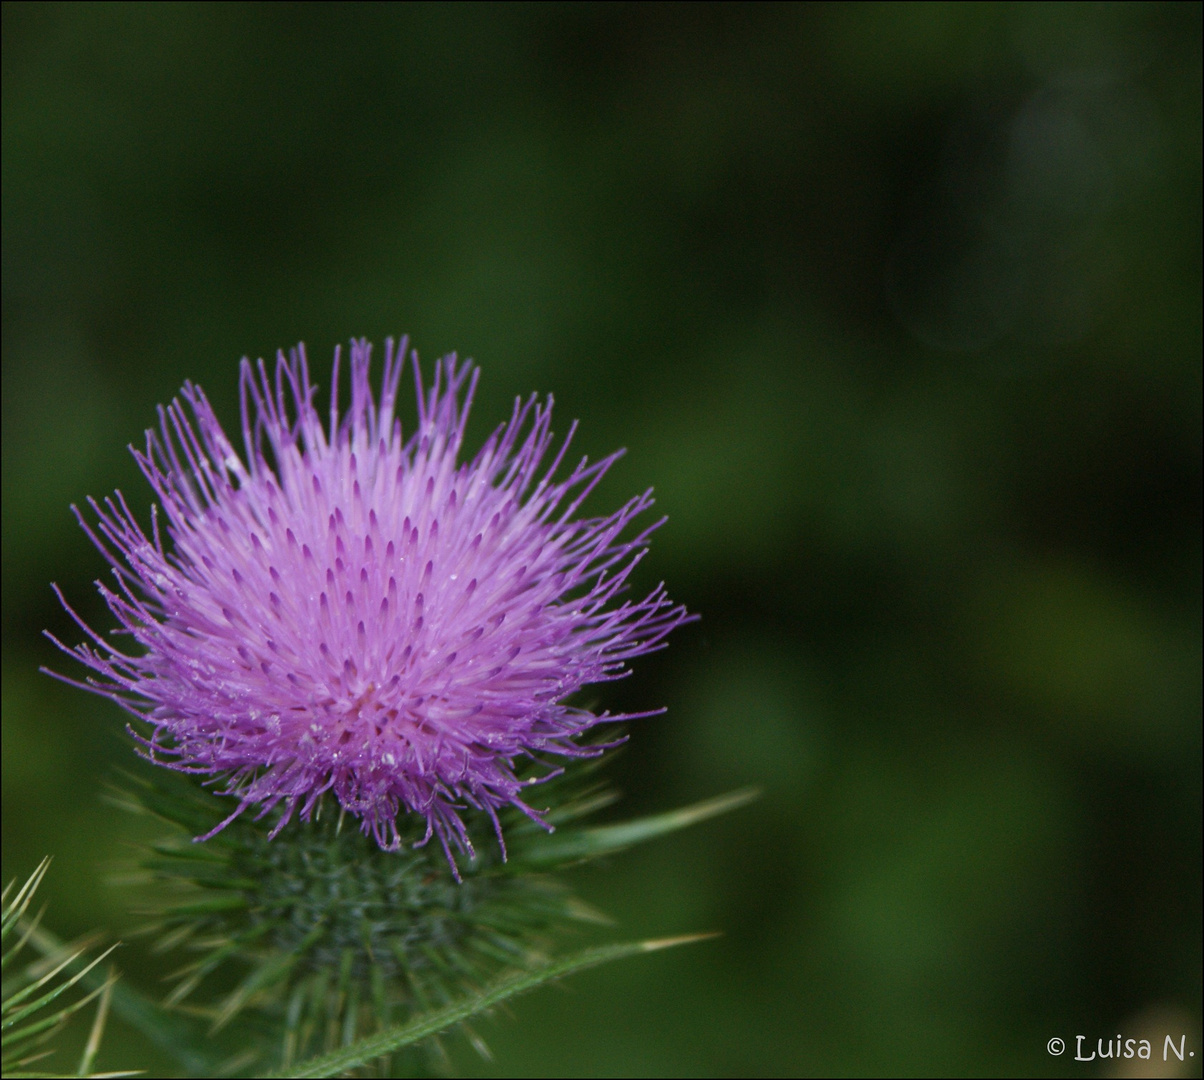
350,611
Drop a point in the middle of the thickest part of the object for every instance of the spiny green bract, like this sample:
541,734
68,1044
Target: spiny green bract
311,941
333,938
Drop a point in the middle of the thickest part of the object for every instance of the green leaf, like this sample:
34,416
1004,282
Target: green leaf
578,844
431,1023
28,1022
172,1034
12,1014
15,911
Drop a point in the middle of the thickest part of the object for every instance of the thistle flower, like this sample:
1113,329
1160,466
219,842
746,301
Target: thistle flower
348,610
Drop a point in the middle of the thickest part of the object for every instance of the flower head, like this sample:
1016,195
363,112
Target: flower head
349,610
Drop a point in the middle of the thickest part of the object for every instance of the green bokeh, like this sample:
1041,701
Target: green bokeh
898,307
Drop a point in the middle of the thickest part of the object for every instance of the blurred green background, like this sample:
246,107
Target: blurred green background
899,309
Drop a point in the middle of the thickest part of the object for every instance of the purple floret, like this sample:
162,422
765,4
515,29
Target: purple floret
351,611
